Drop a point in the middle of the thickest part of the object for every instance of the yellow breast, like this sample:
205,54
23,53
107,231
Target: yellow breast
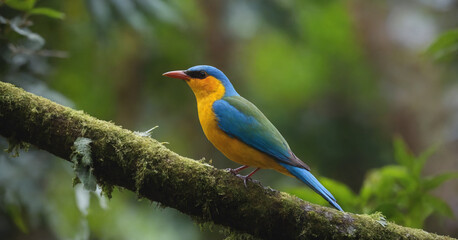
232,148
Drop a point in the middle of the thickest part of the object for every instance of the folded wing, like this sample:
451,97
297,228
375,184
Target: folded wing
241,119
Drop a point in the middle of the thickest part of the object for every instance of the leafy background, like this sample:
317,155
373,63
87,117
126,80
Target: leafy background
364,91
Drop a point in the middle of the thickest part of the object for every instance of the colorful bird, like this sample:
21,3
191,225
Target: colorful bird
239,130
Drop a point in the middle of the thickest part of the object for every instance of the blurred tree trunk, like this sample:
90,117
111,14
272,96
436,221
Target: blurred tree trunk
121,158
218,42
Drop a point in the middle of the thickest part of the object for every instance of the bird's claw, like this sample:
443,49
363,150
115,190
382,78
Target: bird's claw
245,179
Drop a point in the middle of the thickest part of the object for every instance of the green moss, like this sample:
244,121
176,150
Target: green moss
233,235
142,171
205,161
75,181
229,233
15,145
107,188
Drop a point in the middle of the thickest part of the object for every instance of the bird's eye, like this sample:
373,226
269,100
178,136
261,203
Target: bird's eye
197,74
202,74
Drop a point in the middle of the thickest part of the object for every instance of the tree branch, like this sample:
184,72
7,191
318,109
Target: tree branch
143,165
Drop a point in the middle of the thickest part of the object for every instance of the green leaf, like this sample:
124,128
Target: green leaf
402,153
438,205
385,183
18,219
47,12
421,160
21,4
434,182
445,47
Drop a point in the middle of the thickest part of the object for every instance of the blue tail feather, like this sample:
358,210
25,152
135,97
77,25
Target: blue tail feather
306,176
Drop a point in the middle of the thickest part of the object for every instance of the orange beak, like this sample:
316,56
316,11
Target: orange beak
177,74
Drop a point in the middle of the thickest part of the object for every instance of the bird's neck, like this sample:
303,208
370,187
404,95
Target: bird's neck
209,90
205,98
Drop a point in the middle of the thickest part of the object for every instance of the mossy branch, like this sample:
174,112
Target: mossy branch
143,165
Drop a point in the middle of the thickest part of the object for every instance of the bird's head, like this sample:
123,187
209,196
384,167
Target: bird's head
205,81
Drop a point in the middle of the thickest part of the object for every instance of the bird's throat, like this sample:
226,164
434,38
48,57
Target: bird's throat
207,90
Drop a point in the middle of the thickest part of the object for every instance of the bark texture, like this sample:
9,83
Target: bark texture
143,165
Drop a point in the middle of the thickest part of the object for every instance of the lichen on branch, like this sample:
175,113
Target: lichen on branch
118,157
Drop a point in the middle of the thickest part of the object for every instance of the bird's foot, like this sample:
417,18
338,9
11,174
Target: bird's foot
245,178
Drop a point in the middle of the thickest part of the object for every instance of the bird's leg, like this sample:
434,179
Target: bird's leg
235,171
248,177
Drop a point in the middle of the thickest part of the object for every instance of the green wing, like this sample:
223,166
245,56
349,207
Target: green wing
241,119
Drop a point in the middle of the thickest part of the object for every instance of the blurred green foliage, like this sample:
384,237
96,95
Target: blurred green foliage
445,48
24,5
399,191
305,64
29,7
